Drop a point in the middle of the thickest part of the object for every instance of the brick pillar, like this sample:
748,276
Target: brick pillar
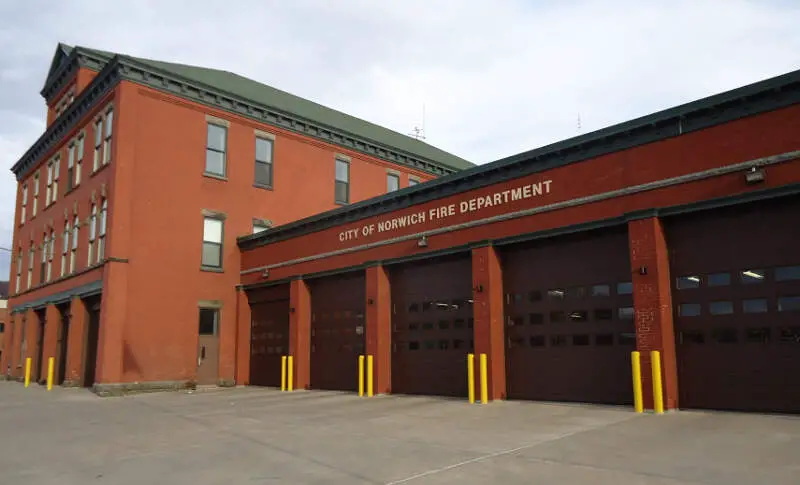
76,343
300,332
31,343
52,319
16,349
243,326
379,327
113,315
487,294
652,299
8,345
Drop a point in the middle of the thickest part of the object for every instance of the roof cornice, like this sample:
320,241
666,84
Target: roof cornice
78,58
771,94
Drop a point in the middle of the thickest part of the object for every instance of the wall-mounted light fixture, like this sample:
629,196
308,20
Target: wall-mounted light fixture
265,273
642,270
370,301
423,242
754,176
478,288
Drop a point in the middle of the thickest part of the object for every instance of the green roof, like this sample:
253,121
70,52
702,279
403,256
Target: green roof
282,101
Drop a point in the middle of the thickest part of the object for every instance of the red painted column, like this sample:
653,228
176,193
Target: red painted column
487,293
30,343
300,332
76,343
52,319
243,328
379,327
652,299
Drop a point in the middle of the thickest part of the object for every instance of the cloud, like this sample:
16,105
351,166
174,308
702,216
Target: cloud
495,77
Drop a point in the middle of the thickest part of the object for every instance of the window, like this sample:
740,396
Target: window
601,290
750,276
24,204
35,193
684,282
720,307
19,271
92,233
624,288
64,248
98,144
49,190
73,255
259,227
51,244
209,321
71,166
101,237
756,305
789,304
56,164
626,313
43,261
689,310
212,242
412,181
216,141
787,273
719,279
392,182
79,162
109,122
31,256
342,182
264,150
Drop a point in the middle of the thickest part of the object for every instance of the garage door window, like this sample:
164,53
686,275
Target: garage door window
685,282
625,288
757,305
787,273
750,276
689,310
625,313
720,307
719,279
789,304
601,290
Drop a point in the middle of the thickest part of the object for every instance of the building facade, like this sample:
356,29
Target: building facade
675,232
3,315
125,263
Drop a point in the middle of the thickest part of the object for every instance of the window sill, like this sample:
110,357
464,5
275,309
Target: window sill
263,186
211,269
215,176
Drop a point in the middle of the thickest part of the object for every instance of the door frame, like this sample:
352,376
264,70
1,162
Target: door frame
215,305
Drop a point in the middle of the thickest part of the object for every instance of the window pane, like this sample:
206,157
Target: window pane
752,275
755,306
556,294
412,182
208,321
787,273
263,150
684,282
624,288
109,123
215,162
789,304
258,228
689,310
625,313
603,314
720,307
211,256
216,137
392,183
341,192
264,173
212,230
342,171
601,290
719,279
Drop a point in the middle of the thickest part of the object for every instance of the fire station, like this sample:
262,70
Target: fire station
677,232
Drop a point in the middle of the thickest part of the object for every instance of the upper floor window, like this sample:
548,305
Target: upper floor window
92,234
64,247
212,242
259,227
18,283
264,150
412,181
74,249
35,194
31,257
50,245
342,190
109,127
101,236
79,160
24,209
43,261
53,169
392,182
98,144
216,145
71,166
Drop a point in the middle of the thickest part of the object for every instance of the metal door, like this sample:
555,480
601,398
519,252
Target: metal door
736,298
269,334
569,318
208,346
338,330
432,324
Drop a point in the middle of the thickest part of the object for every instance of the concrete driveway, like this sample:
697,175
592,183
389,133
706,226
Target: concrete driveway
263,436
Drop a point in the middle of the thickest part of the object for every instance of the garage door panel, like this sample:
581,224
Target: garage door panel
338,329
569,318
269,335
736,293
432,325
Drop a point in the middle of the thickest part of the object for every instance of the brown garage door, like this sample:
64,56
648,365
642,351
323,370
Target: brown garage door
432,324
569,318
736,294
337,330
269,334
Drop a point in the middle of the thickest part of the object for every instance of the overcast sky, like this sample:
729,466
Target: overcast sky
497,77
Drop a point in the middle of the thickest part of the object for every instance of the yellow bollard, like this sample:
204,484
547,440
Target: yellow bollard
471,377
27,371
290,380
369,376
50,364
360,376
658,396
636,365
283,372
484,381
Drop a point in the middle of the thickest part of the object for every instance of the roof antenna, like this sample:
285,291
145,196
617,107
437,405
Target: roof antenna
419,133
579,122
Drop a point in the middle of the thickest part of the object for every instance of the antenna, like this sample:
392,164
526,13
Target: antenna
579,122
419,133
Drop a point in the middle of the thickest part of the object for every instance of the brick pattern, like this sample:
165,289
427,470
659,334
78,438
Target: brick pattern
300,332
379,327
489,328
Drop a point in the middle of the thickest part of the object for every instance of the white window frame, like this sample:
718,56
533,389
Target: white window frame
101,238
65,247
389,177
98,144
73,255
50,250
71,165
48,192
79,158
31,257
224,151
19,271
35,194
108,132
210,238
24,209
92,233
43,261
346,163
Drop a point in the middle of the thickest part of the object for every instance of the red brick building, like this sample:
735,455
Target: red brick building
677,232
125,267
3,314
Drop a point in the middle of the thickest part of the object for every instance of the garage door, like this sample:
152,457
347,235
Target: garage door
569,318
337,330
736,293
269,334
432,324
